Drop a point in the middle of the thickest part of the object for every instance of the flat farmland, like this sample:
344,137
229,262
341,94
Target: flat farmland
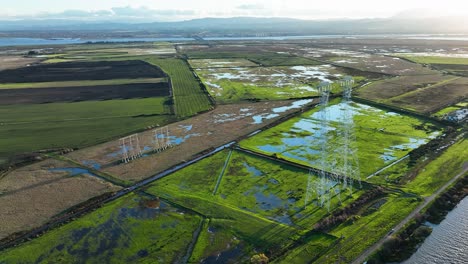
83,93
386,65
66,71
32,195
238,188
88,102
387,88
11,62
423,94
32,127
134,228
260,55
433,98
189,98
188,137
231,84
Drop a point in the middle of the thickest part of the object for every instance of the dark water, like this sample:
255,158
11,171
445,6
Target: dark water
448,242
62,41
38,41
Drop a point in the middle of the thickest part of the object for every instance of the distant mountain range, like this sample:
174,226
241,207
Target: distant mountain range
245,26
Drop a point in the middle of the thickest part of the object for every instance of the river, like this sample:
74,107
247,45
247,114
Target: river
62,41
448,242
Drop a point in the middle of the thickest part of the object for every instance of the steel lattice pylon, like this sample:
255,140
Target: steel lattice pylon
349,165
322,187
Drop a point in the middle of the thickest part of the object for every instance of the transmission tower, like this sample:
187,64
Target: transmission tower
130,148
321,185
350,164
161,139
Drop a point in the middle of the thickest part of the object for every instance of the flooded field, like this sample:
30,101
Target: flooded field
381,137
252,202
134,228
254,185
241,83
34,194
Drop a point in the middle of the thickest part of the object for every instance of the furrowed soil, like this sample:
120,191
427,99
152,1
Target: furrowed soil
101,70
83,93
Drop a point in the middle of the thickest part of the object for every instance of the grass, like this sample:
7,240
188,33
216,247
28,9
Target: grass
26,128
189,98
446,110
259,203
381,137
440,171
437,59
121,231
367,229
314,246
80,83
266,83
215,238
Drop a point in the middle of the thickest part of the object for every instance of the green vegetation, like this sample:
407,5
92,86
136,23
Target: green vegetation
26,128
189,98
313,247
381,137
122,231
452,108
80,83
439,171
259,202
436,59
362,231
267,83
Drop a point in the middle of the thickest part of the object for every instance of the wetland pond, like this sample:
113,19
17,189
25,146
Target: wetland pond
379,137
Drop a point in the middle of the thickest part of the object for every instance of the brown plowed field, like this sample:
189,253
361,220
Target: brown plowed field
74,71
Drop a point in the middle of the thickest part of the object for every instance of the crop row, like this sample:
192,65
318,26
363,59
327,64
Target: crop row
189,98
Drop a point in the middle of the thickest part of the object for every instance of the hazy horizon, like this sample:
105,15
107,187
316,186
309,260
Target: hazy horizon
150,11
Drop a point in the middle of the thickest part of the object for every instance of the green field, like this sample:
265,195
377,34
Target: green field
363,231
189,98
440,171
25,128
436,59
381,137
234,84
80,83
259,201
123,231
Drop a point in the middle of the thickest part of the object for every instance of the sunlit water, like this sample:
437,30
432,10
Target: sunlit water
448,242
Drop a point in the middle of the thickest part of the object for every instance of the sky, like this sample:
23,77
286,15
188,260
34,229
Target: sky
174,10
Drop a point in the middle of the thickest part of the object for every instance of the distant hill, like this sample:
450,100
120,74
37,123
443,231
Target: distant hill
250,25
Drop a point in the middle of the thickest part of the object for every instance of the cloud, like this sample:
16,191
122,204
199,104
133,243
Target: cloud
251,7
126,13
